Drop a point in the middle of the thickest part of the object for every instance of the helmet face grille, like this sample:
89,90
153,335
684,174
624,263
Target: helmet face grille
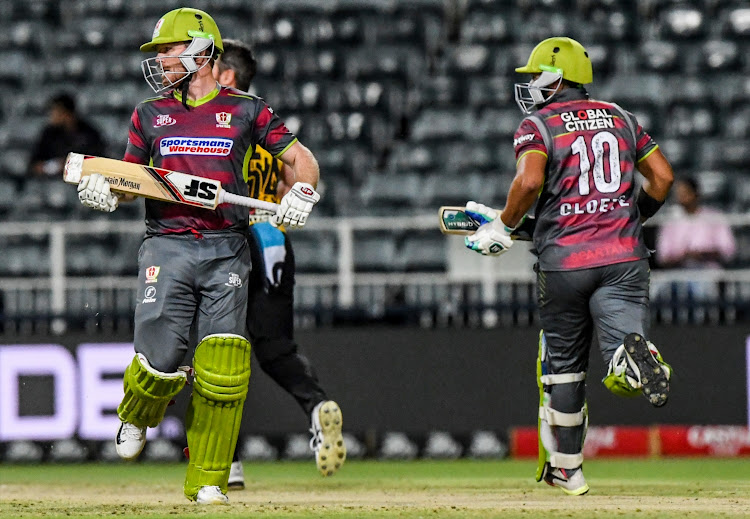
160,81
538,91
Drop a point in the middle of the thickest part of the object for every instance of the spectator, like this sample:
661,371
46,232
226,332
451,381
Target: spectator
697,237
66,131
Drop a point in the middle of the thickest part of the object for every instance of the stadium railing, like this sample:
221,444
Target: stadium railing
83,274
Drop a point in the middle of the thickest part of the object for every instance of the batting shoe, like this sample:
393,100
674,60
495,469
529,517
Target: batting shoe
211,495
570,481
653,375
236,476
130,440
327,442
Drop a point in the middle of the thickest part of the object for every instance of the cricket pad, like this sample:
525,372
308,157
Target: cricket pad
147,393
222,373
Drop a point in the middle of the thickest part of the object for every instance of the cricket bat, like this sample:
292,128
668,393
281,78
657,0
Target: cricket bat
157,183
454,220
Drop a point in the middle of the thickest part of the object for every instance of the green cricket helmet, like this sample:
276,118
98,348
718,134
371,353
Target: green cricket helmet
181,25
554,60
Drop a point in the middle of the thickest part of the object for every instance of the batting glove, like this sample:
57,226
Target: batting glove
296,205
480,212
94,192
493,236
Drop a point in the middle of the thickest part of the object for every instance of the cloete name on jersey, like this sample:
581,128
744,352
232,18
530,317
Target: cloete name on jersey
586,213
215,139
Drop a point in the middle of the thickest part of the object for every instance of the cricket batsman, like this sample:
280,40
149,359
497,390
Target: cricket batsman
577,159
270,315
194,264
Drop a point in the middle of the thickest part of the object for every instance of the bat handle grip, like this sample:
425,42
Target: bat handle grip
246,201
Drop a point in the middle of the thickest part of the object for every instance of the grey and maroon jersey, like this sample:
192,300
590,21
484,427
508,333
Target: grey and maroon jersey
586,215
215,139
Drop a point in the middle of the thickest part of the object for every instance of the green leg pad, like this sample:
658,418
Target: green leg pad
222,372
543,454
147,393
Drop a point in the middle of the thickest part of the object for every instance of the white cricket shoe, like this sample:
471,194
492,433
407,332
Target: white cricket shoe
130,440
211,496
570,481
236,476
327,441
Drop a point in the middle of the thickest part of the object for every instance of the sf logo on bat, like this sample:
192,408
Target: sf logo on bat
204,190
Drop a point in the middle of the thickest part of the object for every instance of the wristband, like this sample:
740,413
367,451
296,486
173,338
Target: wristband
648,205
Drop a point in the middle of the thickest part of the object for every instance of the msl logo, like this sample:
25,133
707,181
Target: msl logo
191,146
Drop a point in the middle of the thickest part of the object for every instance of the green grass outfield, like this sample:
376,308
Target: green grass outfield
671,488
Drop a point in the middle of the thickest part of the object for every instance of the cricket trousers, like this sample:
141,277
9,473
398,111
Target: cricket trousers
189,282
270,316
611,301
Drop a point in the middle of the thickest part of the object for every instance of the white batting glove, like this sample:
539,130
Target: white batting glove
94,192
491,239
296,205
480,212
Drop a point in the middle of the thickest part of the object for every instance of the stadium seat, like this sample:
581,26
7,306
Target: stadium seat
467,60
314,252
660,56
483,27
650,117
23,260
681,153
7,194
681,22
16,161
441,91
538,24
691,120
446,124
736,122
737,22
491,92
395,189
406,156
423,252
497,124
456,187
375,252
724,153
720,56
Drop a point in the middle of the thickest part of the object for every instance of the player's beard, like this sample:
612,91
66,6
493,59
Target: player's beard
172,78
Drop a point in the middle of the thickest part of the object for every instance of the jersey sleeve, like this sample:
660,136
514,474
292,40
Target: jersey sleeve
270,132
644,144
137,150
528,139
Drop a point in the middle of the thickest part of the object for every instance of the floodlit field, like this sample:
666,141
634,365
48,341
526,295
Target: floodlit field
652,488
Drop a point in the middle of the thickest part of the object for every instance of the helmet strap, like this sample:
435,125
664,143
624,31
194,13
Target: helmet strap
184,87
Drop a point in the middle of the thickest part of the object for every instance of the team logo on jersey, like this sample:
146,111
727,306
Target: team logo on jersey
223,119
152,273
192,146
234,280
164,120
149,295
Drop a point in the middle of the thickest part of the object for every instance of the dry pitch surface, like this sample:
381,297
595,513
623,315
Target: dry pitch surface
648,488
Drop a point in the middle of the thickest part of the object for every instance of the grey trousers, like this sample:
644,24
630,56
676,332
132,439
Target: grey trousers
186,282
610,300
